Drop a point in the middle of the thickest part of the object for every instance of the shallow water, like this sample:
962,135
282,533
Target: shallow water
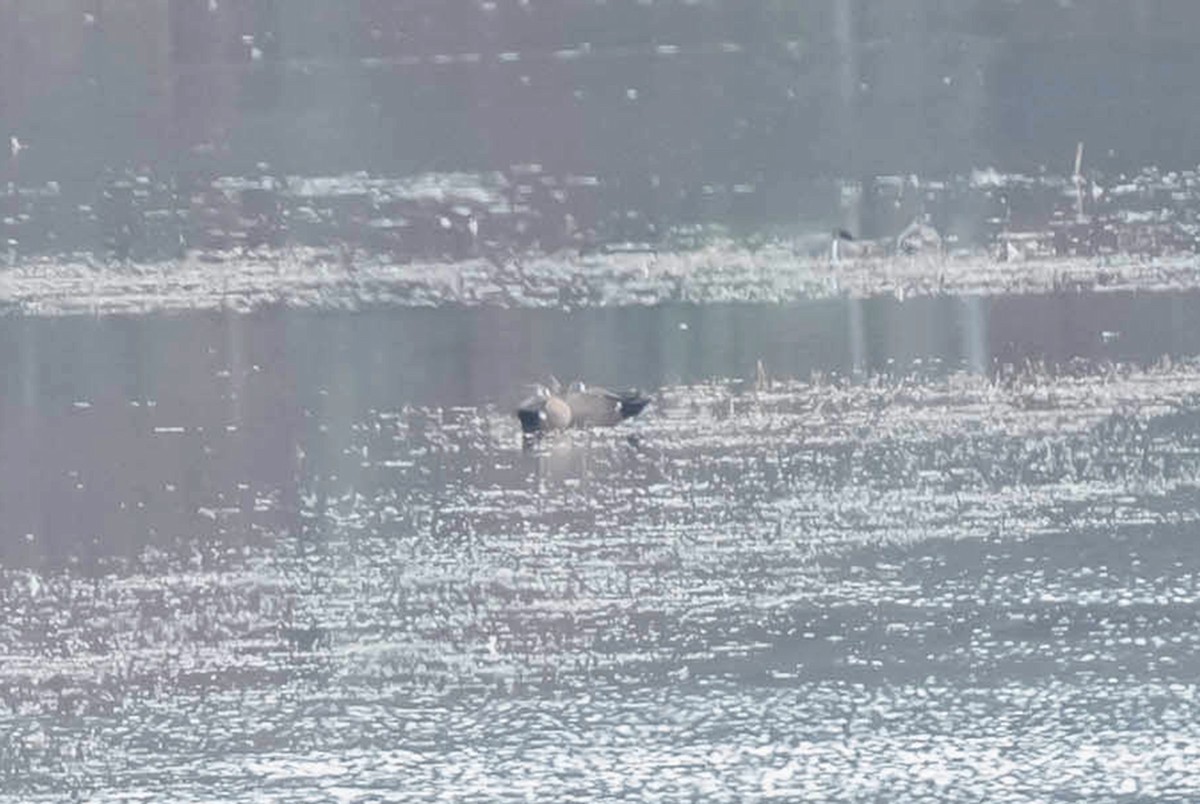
293,555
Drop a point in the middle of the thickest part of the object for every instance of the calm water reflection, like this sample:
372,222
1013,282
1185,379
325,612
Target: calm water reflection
116,431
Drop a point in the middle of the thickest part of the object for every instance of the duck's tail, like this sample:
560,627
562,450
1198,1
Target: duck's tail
632,403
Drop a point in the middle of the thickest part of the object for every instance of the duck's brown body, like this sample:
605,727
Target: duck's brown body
581,406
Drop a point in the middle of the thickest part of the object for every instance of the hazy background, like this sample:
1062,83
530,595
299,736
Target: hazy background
655,99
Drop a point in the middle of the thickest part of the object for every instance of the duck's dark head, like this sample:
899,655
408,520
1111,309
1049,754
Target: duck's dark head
543,412
532,414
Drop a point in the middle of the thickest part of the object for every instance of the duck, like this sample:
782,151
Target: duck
580,406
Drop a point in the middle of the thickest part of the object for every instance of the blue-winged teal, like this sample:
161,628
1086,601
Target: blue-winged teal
581,406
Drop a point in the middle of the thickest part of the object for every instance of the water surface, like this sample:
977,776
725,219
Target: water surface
943,552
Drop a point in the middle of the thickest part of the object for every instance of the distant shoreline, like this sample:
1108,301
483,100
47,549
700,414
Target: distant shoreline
723,271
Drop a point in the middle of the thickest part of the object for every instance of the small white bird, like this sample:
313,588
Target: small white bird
15,146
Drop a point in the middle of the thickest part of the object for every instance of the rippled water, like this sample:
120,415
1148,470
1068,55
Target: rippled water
293,556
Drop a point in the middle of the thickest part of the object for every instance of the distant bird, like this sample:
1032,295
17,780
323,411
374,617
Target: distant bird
840,236
15,146
844,245
919,237
581,406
